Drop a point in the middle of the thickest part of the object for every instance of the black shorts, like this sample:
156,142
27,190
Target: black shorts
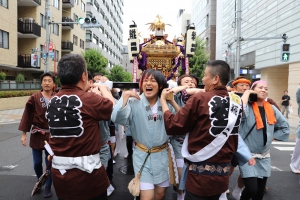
234,161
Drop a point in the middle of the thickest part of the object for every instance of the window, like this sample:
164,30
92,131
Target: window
88,35
76,2
75,18
102,45
82,6
4,39
95,39
55,3
42,21
55,29
81,44
106,35
101,29
4,3
75,40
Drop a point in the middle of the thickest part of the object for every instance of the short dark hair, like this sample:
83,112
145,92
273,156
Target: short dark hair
90,77
286,91
70,69
181,77
220,68
98,74
195,77
48,74
158,76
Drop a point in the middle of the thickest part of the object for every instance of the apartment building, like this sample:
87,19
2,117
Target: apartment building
109,37
203,16
23,28
260,59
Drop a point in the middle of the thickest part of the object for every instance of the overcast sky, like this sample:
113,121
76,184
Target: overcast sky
145,11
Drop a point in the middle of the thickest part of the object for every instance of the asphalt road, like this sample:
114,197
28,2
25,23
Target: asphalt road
17,176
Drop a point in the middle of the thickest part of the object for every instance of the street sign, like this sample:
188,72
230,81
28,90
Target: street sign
50,46
44,56
51,54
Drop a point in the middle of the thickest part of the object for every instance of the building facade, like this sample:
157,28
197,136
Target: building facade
183,21
109,37
23,28
260,59
203,15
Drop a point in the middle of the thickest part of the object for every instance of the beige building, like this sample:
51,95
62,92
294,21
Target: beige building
23,28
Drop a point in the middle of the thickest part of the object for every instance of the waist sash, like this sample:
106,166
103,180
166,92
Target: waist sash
262,155
143,148
214,147
84,163
36,129
209,168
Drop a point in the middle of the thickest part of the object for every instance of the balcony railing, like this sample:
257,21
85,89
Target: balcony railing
24,61
67,3
29,28
66,46
67,26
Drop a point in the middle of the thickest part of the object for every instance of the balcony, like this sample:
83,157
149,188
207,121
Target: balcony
67,3
28,30
24,61
29,2
67,26
66,46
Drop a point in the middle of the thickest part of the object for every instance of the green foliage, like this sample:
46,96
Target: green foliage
57,82
96,62
16,93
199,60
2,76
117,74
20,78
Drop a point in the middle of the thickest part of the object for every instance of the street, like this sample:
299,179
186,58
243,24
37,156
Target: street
17,176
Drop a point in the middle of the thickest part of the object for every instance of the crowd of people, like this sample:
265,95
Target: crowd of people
182,136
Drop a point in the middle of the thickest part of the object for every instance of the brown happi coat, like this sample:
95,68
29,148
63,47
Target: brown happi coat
77,134
34,114
195,118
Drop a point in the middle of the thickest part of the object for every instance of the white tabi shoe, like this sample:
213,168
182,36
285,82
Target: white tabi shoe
296,171
236,193
110,190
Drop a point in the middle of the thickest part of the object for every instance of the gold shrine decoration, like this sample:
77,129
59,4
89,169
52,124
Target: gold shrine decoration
157,24
164,65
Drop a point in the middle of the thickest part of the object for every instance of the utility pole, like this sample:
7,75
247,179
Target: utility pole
47,22
238,38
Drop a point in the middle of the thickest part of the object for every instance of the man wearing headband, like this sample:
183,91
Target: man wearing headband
241,84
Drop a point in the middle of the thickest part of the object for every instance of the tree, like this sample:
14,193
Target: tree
96,62
20,78
117,74
199,60
2,76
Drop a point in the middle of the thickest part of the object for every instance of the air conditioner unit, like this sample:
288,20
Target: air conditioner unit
21,19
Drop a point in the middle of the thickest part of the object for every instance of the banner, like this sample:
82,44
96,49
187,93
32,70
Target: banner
187,67
134,69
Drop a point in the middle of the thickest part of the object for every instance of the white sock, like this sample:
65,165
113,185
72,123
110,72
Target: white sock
223,196
180,196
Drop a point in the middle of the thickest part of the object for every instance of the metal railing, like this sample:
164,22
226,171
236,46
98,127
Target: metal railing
67,19
67,45
13,85
37,1
29,27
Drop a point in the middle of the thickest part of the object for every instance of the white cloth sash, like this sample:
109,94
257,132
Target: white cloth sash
262,155
84,163
214,147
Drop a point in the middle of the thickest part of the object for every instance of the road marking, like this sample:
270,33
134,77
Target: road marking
283,143
273,167
285,148
7,168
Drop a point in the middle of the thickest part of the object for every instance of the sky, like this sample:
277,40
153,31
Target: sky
145,11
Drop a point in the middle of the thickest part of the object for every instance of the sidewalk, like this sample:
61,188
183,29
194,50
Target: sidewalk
11,116
14,116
